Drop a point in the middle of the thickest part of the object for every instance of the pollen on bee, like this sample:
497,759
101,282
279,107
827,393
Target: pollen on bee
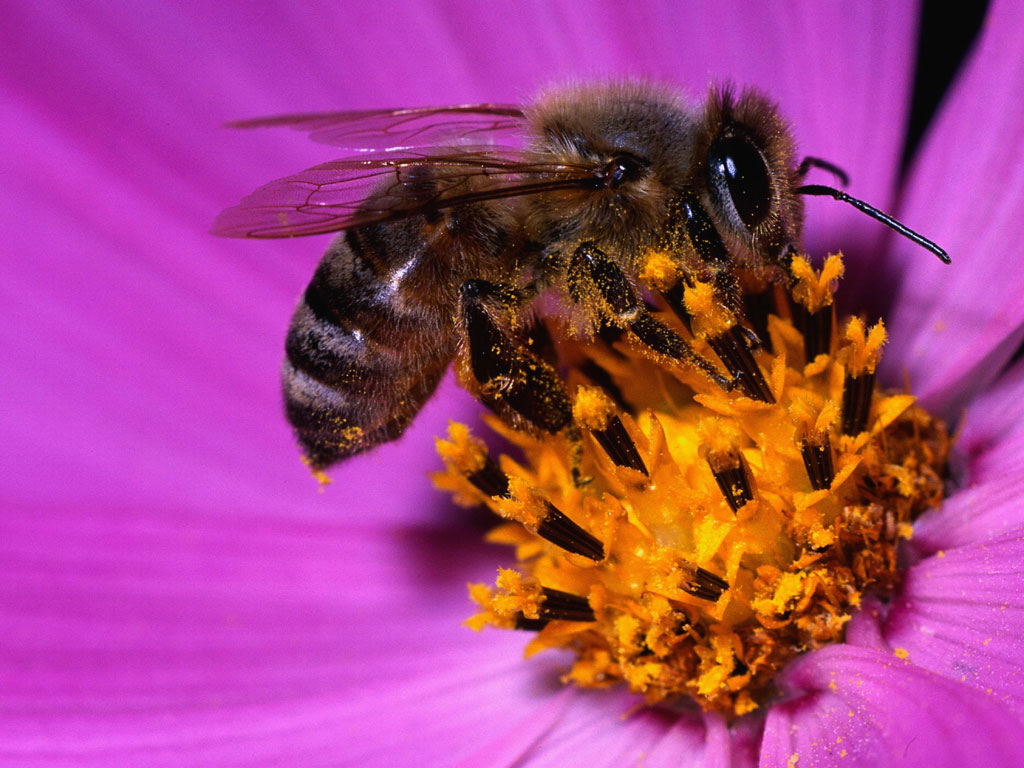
721,533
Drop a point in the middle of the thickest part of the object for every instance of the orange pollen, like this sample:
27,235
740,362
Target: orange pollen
709,537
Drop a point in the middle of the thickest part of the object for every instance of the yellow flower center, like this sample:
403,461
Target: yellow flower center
719,535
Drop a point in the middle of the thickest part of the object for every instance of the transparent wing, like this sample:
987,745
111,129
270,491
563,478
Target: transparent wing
401,129
387,186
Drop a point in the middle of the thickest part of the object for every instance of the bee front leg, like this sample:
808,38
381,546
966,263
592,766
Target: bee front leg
590,269
517,385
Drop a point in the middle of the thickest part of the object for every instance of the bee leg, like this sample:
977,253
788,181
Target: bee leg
591,267
516,384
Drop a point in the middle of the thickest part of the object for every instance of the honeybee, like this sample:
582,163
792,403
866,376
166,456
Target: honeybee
456,219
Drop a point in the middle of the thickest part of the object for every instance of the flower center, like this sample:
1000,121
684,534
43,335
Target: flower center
721,534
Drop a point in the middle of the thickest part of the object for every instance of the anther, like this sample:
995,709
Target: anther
706,585
857,391
531,625
564,533
817,457
604,380
816,328
734,352
489,480
619,445
595,410
564,606
813,308
731,475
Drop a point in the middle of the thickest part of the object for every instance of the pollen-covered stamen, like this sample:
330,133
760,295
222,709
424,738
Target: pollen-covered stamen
861,356
530,625
469,465
817,455
705,585
564,533
594,410
752,539
813,306
816,328
732,477
714,322
857,392
564,606
733,350
490,480
604,380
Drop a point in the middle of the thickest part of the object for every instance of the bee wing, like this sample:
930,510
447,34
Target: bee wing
387,186
399,129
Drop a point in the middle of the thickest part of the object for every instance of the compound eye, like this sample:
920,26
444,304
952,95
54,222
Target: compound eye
623,168
738,179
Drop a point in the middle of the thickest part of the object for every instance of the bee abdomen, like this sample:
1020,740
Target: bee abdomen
360,360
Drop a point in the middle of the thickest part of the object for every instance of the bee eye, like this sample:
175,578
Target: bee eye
623,168
738,179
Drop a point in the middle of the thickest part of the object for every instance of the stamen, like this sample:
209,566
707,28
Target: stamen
684,595
564,606
813,307
490,480
816,328
716,323
732,349
604,380
817,457
619,445
706,585
731,475
861,356
531,625
594,410
564,533
857,391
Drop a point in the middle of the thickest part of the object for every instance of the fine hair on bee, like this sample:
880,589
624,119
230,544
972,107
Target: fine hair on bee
455,220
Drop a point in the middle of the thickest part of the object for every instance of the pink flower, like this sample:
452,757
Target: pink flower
174,589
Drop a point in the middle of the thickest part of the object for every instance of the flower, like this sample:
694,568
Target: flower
175,590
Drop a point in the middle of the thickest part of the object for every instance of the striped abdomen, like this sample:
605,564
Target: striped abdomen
370,339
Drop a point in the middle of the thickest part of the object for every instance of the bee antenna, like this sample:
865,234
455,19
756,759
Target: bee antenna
816,162
877,215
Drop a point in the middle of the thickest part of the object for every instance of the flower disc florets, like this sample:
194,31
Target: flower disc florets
719,535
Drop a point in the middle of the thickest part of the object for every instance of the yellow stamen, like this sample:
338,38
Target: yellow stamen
754,534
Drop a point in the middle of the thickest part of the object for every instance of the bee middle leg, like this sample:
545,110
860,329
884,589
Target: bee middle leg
516,384
590,266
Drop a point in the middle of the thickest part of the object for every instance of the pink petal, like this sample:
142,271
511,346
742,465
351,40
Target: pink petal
855,706
961,615
954,327
991,418
611,728
990,459
228,639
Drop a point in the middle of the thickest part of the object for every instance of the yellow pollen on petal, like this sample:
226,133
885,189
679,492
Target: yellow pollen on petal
707,538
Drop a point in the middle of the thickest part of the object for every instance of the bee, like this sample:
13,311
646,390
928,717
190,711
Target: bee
455,220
